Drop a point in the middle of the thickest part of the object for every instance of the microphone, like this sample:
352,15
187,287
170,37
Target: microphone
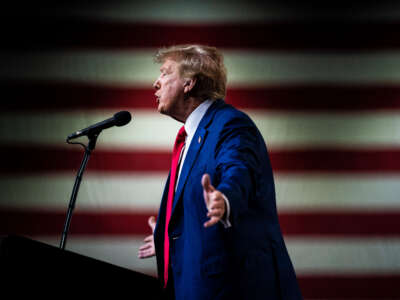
119,119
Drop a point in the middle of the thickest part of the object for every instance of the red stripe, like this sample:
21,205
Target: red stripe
354,286
32,159
333,224
48,32
70,96
82,223
337,160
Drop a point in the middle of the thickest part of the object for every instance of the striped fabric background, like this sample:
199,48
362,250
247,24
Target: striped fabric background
323,86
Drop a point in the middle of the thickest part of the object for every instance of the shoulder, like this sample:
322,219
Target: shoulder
227,115
230,124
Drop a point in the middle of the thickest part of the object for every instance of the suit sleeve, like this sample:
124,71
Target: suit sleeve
238,164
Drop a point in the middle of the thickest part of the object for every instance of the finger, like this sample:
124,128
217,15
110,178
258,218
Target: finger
211,222
146,254
206,183
143,253
215,204
215,213
206,198
152,223
145,246
148,239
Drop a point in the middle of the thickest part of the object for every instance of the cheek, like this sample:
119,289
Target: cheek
173,89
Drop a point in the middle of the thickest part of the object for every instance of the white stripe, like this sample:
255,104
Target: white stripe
344,255
305,192
184,11
134,193
147,129
297,129
137,192
309,255
150,130
245,68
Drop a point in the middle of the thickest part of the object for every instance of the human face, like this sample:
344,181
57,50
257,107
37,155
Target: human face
170,90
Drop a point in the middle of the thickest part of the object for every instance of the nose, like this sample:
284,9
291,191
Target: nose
156,84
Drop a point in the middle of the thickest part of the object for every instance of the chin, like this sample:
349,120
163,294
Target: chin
161,109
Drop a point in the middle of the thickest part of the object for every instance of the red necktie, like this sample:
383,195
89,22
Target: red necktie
179,142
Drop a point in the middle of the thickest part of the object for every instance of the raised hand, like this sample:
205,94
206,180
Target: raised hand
215,202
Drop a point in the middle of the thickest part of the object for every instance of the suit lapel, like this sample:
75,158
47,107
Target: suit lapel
194,148
191,156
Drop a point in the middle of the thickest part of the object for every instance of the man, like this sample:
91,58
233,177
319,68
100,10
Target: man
217,235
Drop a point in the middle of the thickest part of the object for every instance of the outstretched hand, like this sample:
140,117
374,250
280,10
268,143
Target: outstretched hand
148,249
214,200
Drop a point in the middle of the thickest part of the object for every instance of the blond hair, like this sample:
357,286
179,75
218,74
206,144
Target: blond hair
204,63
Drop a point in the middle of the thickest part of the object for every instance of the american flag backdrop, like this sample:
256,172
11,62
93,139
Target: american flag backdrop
322,85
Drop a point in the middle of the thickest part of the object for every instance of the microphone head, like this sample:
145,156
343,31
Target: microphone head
122,118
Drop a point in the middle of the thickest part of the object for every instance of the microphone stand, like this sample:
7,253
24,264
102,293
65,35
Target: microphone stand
88,150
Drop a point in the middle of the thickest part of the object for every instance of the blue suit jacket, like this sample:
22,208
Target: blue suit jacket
249,260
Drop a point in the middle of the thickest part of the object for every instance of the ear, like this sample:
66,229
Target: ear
189,85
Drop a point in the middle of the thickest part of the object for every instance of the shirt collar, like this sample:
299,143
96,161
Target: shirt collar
193,121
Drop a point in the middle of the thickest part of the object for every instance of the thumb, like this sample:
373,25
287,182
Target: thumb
206,183
152,223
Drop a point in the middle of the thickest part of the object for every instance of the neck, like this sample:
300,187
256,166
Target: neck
190,105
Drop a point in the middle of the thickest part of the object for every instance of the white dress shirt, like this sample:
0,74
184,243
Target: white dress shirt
191,124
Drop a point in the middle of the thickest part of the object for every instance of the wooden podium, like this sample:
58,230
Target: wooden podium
34,268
